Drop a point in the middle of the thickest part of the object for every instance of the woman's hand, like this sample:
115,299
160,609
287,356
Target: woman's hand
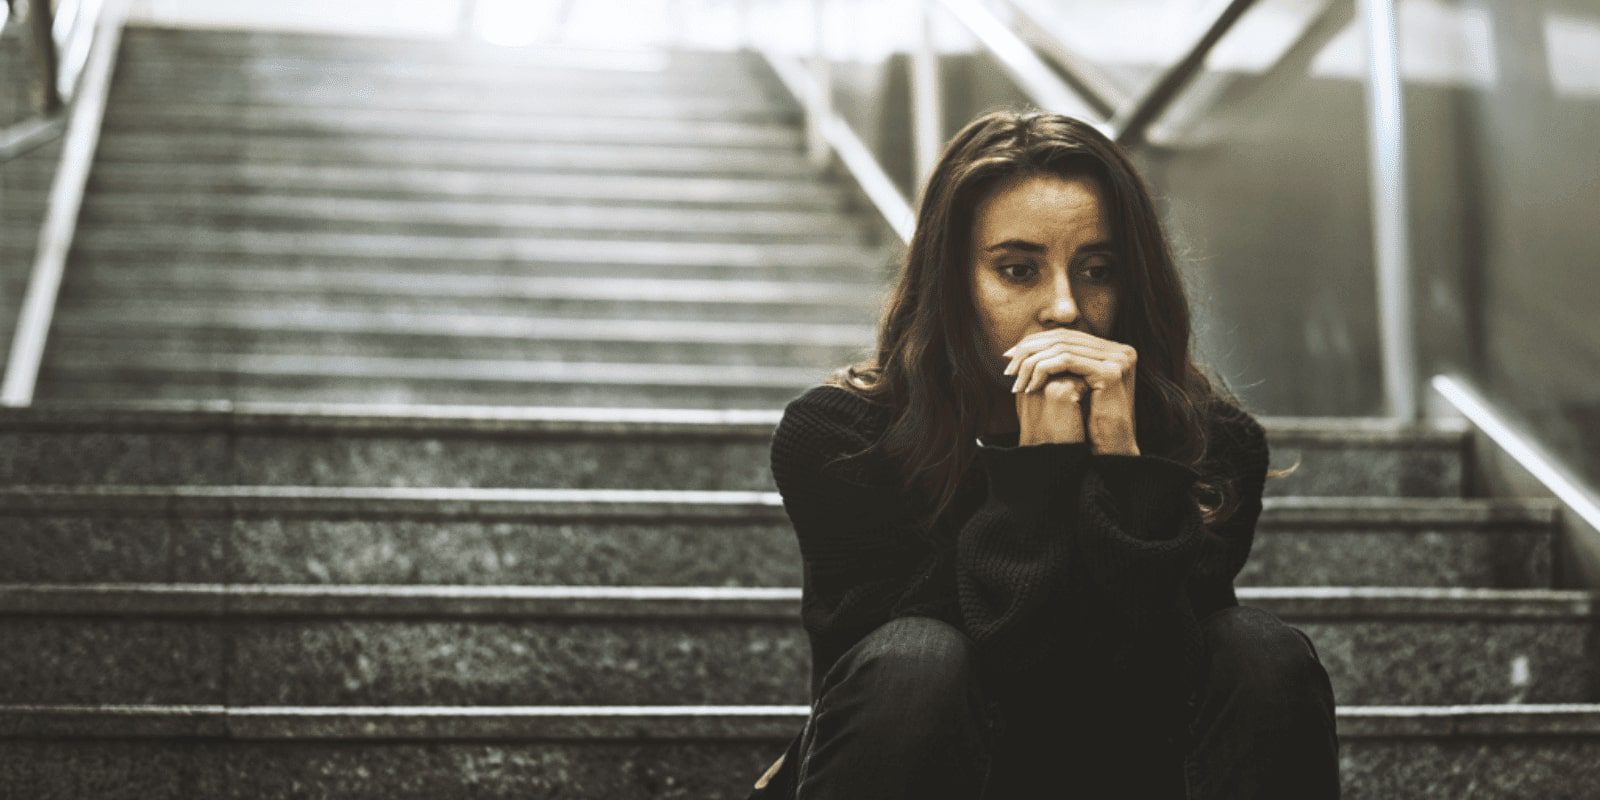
1080,363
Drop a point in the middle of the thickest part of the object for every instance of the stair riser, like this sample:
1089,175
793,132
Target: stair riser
113,180
221,220
671,661
437,254
378,547
1399,769
87,263
512,101
380,128
167,63
344,457
157,208
419,113
264,151
112,385
82,298
216,341
222,224
109,769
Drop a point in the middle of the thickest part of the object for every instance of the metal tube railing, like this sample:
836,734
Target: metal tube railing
927,107
61,215
1131,123
42,19
1386,161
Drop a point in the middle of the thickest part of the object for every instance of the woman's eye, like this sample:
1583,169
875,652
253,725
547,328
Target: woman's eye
1104,273
1014,276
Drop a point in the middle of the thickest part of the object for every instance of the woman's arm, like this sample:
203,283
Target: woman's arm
865,560
1062,524
1120,527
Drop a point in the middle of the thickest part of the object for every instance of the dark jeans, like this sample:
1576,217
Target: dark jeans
903,714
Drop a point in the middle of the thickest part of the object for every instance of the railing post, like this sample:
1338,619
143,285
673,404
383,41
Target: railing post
927,111
42,17
820,107
1386,154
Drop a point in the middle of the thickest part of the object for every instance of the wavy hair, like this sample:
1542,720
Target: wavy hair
931,364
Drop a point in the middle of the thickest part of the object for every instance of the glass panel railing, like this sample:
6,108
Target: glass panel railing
1503,99
1261,172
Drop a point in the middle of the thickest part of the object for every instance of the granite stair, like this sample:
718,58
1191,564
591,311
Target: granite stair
334,489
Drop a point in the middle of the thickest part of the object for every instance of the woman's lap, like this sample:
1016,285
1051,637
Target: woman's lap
912,703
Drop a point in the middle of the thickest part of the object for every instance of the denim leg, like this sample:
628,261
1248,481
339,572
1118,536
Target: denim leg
900,715
1264,723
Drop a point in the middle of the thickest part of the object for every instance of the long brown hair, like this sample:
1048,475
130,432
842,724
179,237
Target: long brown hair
931,359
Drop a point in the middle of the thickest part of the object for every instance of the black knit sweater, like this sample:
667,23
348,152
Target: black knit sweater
1065,567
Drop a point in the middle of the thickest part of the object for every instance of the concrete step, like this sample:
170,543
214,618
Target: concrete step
689,126
190,45
126,373
184,333
89,260
332,90
570,300
179,246
490,157
62,442
528,294
665,752
144,68
337,86
205,215
294,534
402,84
324,182
503,645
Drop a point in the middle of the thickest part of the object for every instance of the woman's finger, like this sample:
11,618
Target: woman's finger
1026,368
1077,363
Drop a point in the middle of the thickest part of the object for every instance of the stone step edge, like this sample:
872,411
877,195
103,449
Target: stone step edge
225,320
458,372
668,505
702,603
752,424
670,723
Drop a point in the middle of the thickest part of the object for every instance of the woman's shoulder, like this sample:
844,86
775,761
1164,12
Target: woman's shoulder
833,407
820,425
1237,426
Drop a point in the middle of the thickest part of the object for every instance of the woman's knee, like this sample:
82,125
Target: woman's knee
1259,660
907,664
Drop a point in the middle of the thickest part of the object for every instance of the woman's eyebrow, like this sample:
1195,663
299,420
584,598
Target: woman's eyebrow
1035,247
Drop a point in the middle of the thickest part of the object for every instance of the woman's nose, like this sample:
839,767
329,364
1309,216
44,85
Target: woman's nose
1061,309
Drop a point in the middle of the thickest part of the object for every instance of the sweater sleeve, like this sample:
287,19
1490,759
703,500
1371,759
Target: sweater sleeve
1225,548
1062,522
864,560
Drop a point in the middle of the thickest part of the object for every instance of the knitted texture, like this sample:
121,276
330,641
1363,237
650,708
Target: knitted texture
1061,565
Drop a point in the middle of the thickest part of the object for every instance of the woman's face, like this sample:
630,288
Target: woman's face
1042,259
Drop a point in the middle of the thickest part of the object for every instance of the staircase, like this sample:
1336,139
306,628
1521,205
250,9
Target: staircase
275,599
307,218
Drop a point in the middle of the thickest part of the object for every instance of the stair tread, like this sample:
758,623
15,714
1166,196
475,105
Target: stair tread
764,722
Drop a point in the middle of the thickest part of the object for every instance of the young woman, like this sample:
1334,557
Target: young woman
1020,522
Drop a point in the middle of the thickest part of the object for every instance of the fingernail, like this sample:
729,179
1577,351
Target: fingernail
1016,385
1010,368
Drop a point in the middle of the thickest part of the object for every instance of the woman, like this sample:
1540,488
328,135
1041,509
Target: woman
1020,522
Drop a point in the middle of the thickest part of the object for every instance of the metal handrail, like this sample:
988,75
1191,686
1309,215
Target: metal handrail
81,137
1095,89
1130,124
1030,72
61,40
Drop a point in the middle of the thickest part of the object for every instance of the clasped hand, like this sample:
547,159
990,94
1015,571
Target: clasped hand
1059,372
